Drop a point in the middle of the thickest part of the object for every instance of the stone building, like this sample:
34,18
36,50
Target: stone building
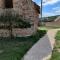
26,8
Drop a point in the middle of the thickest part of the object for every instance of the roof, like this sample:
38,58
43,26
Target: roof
57,19
37,7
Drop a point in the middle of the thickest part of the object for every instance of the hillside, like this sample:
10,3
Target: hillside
49,19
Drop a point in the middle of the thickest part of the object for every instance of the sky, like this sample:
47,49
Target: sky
50,7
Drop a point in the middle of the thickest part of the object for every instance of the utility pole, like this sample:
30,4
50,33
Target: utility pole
41,11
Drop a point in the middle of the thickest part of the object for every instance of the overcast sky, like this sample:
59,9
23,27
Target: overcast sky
50,7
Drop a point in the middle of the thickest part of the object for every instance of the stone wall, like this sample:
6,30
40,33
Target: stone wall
4,33
23,32
26,9
1,3
17,32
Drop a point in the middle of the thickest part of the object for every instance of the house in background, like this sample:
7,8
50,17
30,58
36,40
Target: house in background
26,8
54,23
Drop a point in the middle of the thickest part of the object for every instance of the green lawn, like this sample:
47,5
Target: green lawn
56,51
42,28
47,27
14,49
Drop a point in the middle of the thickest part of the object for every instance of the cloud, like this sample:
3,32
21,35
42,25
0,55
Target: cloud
54,11
46,2
56,8
57,12
50,2
46,14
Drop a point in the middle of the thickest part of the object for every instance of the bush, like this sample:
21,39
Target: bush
14,20
57,36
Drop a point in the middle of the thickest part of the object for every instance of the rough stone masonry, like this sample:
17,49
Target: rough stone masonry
28,9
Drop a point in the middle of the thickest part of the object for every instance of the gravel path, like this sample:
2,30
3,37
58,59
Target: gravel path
42,50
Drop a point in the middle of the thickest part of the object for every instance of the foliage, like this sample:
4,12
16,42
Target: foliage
10,21
49,19
14,49
56,50
14,20
57,36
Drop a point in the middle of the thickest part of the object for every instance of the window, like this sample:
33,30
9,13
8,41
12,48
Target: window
8,4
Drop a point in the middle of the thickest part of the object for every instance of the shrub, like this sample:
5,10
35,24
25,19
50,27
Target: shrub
14,21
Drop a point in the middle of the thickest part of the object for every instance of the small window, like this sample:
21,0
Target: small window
8,4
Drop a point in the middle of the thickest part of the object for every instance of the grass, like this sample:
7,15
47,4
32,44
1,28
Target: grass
14,49
52,27
42,28
47,27
58,35
56,51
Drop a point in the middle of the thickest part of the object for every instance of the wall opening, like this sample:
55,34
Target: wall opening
8,4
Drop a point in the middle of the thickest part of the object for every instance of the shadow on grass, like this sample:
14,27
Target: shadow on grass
15,48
